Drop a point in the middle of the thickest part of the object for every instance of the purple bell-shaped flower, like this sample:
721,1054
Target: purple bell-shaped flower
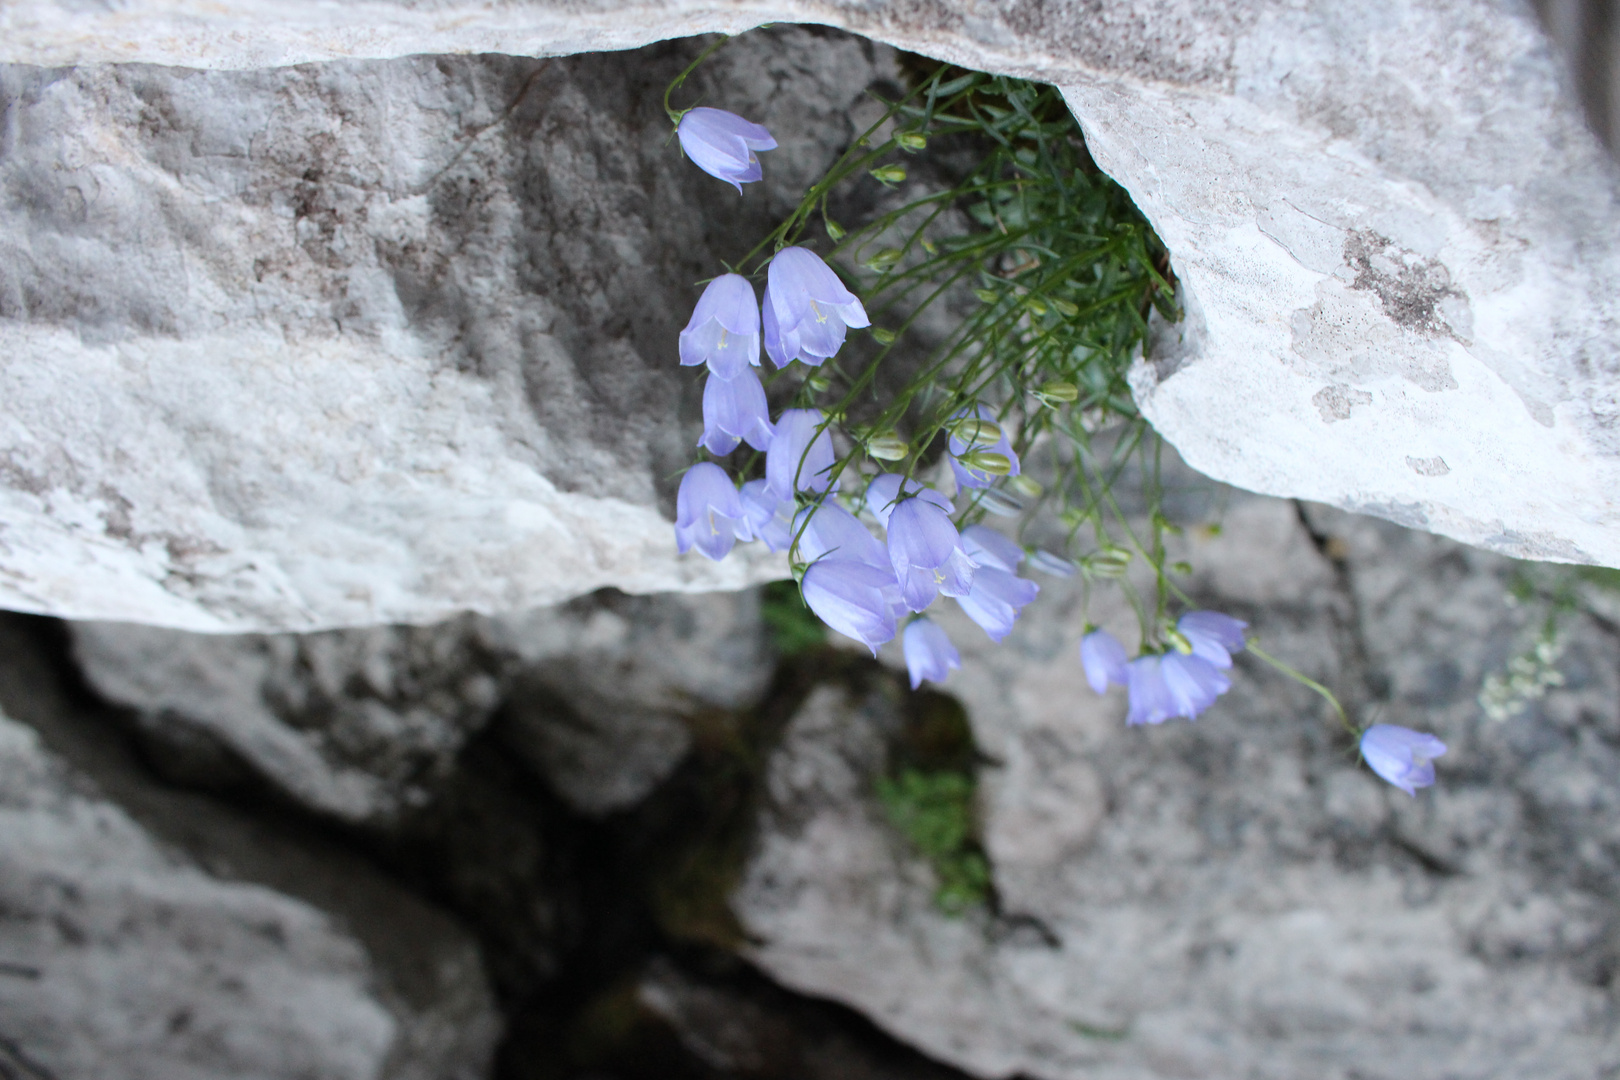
735,410
807,309
800,458
707,511
722,144
1402,756
1103,657
995,599
929,652
854,598
1172,684
724,328
1213,636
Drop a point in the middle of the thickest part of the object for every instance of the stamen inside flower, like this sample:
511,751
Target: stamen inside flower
819,316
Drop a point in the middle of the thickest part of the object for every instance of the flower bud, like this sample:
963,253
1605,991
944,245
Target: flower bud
989,296
1110,562
976,432
1025,484
819,383
884,260
988,461
1035,304
1066,309
1181,568
834,230
911,140
888,447
889,174
929,246
1058,391
883,335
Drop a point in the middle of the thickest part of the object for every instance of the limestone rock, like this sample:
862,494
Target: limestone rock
365,724
372,341
1234,897
125,955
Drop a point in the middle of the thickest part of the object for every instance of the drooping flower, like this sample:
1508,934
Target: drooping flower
989,548
807,309
854,598
978,478
799,459
768,518
735,410
1402,756
927,553
1103,657
1172,684
707,511
929,652
884,493
995,600
829,531
722,144
1213,636
724,329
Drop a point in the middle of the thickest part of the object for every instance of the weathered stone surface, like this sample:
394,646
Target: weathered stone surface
157,935
365,724
370,342
1234,897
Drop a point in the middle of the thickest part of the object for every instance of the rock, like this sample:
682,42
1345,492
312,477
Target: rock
372,341
149,933
1234,897
366,724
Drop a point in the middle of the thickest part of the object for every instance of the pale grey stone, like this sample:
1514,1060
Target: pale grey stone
1235,896
365,724
125,956
365,342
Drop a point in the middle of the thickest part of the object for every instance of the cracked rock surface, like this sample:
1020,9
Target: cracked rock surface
149,932
1235,896
369,340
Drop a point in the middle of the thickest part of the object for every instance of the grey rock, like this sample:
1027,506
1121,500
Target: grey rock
1232,897
366,724
360,342
149,934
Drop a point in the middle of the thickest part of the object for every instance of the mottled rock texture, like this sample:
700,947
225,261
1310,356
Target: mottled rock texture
150,933
369,341
366,724
1235,896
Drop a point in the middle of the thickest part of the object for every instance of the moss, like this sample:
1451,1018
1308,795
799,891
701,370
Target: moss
934,811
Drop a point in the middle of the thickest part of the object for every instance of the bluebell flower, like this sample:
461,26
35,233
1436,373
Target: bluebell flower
1103,657
722,144
734,410
929,652
924,546
829,531
995,599
724,329
854,598
1402,756
1172,684
987,547
800,458
1213,636
707,511
767,518
807,309
978,478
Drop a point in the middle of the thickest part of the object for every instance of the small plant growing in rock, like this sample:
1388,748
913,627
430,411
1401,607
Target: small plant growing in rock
1051,276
